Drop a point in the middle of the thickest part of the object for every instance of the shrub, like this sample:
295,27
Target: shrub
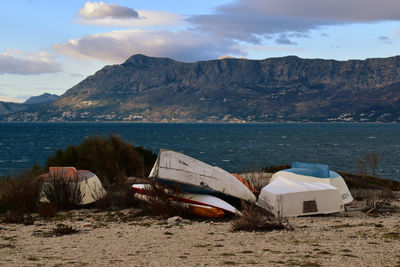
255,218
19,196
369,162
355,181
119,194
63,192
159,203
273,169
107,158
47,210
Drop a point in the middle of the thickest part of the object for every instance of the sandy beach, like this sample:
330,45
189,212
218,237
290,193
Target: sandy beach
121,238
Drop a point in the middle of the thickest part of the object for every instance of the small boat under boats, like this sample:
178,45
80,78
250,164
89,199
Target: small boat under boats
198,204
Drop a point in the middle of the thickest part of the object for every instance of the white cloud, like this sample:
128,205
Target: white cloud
18,62
147,18
99,10
117,46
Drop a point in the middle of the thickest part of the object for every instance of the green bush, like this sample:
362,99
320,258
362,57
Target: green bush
107,158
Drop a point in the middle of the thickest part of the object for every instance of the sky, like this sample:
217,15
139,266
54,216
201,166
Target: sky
49,46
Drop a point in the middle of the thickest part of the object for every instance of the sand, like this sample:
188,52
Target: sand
121,238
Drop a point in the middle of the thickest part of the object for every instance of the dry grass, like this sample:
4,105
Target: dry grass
63,192
63,229
119,195
255,218
355,181
159,203
19,197
47,210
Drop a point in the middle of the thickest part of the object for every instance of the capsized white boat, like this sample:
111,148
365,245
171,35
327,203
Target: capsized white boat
288,198
174,167
199,204
316,173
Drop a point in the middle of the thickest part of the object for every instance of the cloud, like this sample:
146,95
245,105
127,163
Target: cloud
147,18
284,40
75,75
99,10
252,20
385,39
117,46
18,62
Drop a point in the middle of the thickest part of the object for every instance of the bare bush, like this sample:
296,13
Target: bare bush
158,202
63,191
255,218
118,195
47,210
369,163
19,197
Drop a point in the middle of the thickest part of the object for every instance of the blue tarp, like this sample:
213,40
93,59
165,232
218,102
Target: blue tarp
312,169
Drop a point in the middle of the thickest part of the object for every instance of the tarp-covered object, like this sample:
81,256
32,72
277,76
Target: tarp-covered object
287,198
89,184
316,173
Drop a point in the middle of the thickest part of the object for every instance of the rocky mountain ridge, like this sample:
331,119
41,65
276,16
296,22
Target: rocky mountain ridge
232,90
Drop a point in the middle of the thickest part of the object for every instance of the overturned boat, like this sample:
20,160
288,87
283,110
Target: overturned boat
288,198
195,176
316,173
90,187
198,204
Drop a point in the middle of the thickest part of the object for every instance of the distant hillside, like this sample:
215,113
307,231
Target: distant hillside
232,90
41,99
10,107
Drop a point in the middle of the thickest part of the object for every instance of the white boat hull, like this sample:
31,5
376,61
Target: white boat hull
179,168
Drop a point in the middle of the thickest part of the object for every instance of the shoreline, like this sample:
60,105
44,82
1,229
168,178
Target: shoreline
115,238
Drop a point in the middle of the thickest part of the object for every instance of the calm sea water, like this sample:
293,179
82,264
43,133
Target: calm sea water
234,147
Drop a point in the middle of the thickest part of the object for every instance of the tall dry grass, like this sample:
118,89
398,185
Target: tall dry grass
62,192
19,197
255,218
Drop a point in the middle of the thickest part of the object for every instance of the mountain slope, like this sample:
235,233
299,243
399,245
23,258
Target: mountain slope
275,89
41,99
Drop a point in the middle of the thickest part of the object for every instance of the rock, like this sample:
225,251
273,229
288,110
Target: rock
174,220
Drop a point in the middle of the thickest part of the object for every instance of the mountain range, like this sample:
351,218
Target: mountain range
289,88
11,107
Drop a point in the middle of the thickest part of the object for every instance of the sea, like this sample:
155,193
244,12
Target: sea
233,147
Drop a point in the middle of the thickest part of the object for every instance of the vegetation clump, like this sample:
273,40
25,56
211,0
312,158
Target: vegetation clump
63,229
255,218
19,197
107,158
63,192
